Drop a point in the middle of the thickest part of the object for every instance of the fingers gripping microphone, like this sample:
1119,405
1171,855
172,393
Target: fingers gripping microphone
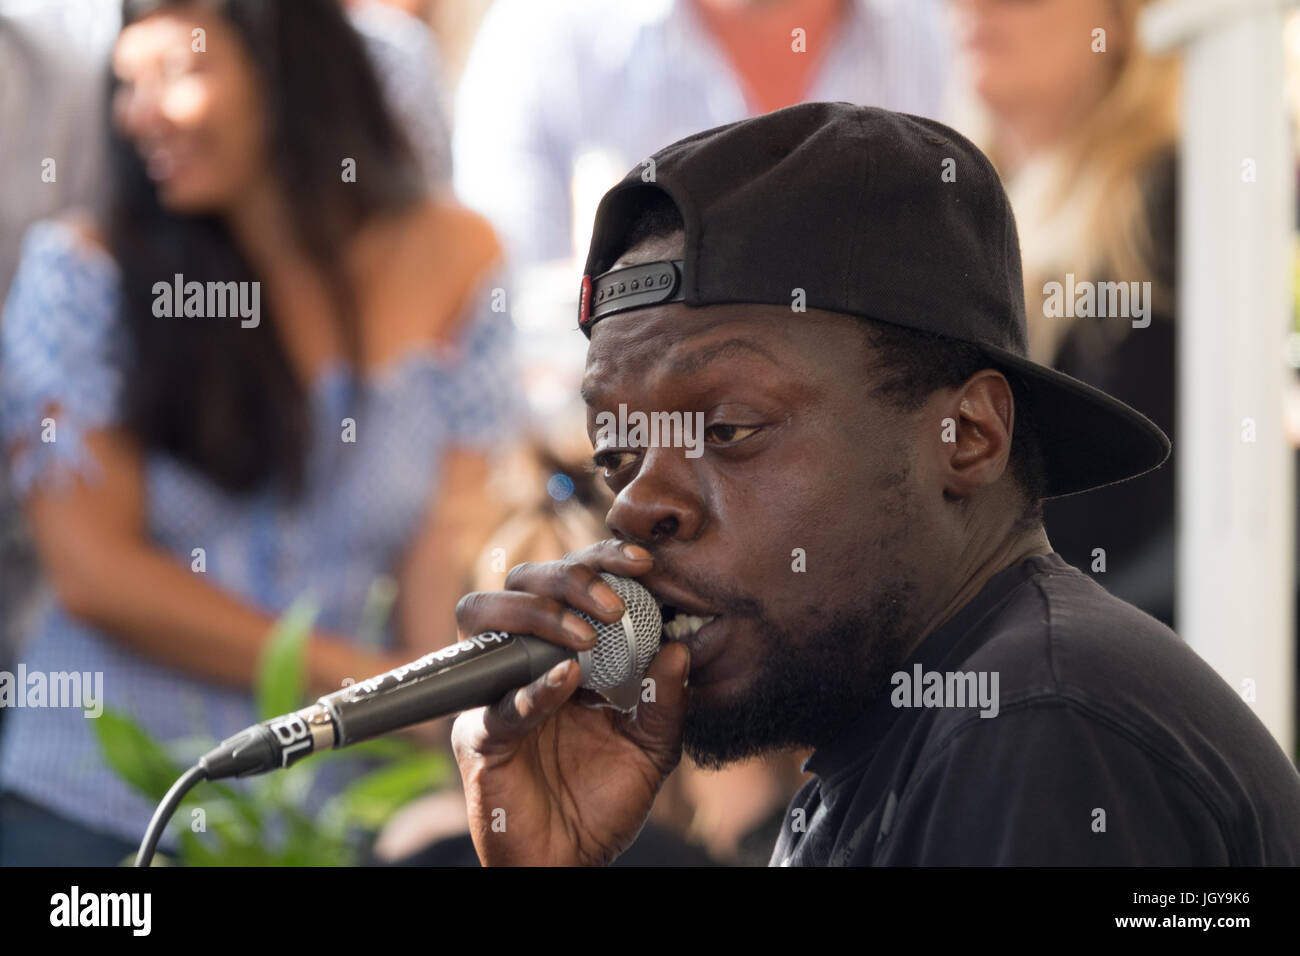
471,673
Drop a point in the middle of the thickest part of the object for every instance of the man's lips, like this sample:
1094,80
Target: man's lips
670,596
706,646
706,642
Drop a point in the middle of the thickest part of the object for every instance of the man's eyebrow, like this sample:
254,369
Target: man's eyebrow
694,361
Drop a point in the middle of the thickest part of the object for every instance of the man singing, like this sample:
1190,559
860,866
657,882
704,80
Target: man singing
857,562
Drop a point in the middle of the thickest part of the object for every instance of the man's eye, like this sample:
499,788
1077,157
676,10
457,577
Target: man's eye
729,434
612,461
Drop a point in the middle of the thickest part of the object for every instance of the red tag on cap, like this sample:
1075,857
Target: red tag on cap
584,301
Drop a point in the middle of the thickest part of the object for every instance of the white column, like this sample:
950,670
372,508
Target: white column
1236,487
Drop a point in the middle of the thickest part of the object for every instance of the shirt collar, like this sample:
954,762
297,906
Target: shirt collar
859,740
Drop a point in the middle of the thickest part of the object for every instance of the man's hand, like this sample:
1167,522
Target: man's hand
549,781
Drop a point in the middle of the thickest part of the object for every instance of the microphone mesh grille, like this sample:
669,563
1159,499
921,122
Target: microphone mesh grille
612,661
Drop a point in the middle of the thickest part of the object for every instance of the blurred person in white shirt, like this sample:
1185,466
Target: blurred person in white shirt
558,100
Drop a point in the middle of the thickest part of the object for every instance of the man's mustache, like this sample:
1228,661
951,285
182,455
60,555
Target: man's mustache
708,590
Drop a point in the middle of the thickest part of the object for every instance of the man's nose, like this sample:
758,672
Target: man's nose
661,503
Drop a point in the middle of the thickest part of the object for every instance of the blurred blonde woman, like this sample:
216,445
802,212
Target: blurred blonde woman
1082,124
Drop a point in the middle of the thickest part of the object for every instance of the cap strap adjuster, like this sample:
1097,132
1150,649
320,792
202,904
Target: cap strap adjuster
632,287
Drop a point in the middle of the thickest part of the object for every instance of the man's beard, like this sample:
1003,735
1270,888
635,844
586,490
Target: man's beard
812,683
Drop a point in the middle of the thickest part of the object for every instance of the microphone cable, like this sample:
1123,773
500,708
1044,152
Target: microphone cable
163,814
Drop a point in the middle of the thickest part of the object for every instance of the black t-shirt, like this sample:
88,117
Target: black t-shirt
1108,742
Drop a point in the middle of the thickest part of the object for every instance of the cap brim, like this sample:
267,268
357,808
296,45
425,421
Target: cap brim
1089,439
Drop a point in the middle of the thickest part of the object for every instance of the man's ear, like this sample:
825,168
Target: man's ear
977,421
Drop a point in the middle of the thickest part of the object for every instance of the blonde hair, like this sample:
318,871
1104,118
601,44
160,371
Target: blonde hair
1081,209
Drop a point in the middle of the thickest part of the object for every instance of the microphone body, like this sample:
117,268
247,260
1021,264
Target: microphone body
470,673
457,677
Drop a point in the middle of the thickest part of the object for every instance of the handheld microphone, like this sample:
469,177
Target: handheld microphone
471,673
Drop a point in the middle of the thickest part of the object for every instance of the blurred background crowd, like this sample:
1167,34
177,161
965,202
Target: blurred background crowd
412,185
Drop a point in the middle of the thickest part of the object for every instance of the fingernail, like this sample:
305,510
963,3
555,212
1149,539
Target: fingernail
686,678
555,676
636,552
605,595
579,628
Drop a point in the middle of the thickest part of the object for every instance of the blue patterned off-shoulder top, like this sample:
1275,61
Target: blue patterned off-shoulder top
60,347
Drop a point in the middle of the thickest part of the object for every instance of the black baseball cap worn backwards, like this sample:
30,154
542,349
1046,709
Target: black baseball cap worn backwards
871,213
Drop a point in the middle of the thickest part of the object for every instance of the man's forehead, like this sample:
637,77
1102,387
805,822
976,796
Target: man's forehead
670,339
677,340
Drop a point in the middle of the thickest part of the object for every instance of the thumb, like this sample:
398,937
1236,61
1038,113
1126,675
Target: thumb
661,713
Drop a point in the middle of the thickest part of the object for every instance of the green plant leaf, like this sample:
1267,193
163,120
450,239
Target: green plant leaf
369,801
194,852
308,844
281,670
240,804
238,821
135,756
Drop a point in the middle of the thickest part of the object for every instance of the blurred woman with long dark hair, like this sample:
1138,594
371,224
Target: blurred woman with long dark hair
272,367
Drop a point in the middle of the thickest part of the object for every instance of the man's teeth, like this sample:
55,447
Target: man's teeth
684,625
